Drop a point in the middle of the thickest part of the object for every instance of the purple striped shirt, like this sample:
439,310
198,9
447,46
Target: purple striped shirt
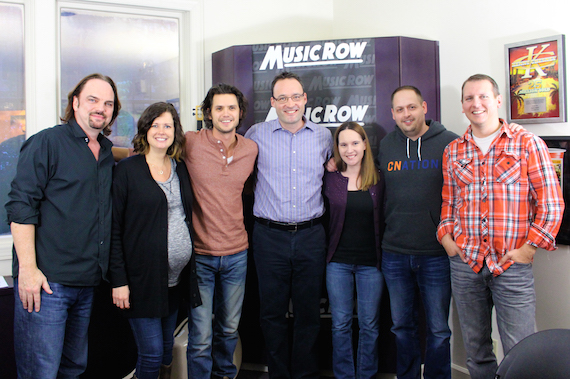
290,169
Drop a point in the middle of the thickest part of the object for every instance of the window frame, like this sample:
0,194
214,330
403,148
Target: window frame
6,241
42,60
189,46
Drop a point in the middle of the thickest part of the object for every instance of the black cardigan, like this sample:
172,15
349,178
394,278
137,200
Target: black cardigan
139,239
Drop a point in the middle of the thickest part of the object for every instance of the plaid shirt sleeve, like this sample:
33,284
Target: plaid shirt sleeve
447,195
546,192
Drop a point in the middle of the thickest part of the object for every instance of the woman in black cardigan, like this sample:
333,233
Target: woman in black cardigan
151,253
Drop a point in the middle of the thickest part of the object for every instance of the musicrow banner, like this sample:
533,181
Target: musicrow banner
339,78
345,79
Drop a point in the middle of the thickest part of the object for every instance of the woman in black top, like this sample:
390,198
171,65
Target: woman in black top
151,237
355,195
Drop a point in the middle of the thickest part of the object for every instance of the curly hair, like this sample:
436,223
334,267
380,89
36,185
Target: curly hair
140,142
223,89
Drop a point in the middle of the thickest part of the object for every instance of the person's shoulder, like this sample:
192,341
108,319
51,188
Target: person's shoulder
523,133
447,137
455,141
448,134
130,163
439,131
329,175
247,142
257,127
455,144
250,131
334,176
47,138
390,136
262,131
323,133
193,135
317,127
53,132
527,138
390,140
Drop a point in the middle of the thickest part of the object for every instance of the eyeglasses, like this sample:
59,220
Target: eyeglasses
283,99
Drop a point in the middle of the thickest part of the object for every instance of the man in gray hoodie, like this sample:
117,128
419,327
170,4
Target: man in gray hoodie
412,259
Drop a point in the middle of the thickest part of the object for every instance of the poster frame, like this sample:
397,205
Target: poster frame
534,46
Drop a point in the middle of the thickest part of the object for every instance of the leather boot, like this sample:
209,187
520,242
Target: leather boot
165,371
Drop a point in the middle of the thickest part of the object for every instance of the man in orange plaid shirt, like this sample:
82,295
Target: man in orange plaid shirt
501,200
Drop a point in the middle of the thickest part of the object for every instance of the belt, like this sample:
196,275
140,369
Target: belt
289,226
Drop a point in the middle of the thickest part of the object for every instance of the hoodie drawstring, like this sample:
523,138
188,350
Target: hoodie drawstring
419,148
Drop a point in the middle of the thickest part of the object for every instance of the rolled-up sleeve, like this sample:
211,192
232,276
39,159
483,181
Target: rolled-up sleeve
546,192
28,186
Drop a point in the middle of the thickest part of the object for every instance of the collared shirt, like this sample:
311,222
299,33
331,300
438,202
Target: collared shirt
290,169
496,202
62,189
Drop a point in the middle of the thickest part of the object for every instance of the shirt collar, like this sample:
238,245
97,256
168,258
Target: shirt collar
468,136
214,141
277,125
76,129
78,132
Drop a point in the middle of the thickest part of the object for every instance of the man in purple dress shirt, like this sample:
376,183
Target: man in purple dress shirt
288,237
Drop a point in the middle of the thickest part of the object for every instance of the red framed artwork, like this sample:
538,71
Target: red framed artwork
536,80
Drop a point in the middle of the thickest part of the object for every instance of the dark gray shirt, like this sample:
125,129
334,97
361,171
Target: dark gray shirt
62,189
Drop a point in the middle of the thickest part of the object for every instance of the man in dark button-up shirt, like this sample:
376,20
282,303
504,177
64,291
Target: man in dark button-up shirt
59,211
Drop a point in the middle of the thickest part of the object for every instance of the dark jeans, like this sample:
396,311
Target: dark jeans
342,280
155,339
290,265
211,347
431,275
53,342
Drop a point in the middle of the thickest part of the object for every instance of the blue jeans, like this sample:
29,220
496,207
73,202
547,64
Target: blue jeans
290,266
53,342
404,275
512,293
155,339
221,281
341,279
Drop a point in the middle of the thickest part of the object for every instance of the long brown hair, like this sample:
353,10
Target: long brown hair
70,112
368,172
140,142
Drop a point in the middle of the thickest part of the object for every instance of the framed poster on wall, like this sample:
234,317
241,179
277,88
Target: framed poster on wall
536,80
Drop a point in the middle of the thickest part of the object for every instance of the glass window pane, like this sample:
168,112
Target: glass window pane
12,99
140,53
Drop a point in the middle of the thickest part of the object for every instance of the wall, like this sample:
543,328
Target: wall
472,36
42,67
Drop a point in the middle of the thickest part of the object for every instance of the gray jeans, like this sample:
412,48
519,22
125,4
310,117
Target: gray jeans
512,293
